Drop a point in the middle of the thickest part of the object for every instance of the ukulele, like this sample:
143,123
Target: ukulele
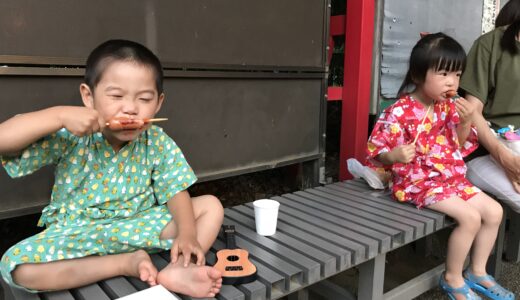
233,262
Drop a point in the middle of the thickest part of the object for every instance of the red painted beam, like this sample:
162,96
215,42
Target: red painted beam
359,32
334,93
337,25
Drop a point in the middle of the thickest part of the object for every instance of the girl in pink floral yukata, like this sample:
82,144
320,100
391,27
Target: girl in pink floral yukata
422,139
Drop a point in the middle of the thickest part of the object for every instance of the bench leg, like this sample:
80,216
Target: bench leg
494,265
372,278
513,237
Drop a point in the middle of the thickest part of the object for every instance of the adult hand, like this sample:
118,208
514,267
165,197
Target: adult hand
510,163
187,245
81,121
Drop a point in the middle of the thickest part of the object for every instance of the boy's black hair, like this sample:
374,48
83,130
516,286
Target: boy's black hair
435,51
121,50
509,16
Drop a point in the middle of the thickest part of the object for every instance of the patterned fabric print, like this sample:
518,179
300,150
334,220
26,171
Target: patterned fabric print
438,170
97,189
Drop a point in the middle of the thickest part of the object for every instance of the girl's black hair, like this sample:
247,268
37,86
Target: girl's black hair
509,16
435,51
121,50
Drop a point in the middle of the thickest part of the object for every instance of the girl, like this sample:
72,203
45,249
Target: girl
116,193
422,139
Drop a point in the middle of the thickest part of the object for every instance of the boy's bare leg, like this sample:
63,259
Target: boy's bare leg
71,273
196,281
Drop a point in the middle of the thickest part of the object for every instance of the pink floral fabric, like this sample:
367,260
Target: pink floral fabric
438,170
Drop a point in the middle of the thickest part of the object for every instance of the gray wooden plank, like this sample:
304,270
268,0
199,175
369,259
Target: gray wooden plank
350,200
343,256
340,219
324,221
17,294
327,261
293,274
359,250
429,223
273,281
117,287
310,267
365,218
91,291
254,290
58,295
359,224
387,200
385,219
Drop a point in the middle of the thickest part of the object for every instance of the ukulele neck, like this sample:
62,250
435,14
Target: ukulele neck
229,232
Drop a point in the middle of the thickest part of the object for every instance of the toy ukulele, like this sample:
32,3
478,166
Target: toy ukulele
122,123
233,262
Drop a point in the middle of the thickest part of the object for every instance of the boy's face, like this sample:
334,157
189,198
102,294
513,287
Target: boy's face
126,89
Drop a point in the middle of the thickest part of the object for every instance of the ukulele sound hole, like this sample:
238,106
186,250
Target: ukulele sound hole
234,268
232,258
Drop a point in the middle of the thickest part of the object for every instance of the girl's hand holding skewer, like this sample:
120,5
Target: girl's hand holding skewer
466,111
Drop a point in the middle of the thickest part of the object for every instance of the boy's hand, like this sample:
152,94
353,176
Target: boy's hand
466,110
187,245
402,154
81,121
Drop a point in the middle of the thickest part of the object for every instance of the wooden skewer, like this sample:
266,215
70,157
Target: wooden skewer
155,120
421,128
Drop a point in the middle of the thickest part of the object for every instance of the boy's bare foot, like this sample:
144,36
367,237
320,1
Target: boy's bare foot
195,281
140,265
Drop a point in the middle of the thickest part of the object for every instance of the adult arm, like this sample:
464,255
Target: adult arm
503,156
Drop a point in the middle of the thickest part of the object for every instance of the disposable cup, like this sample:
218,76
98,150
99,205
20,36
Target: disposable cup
266,216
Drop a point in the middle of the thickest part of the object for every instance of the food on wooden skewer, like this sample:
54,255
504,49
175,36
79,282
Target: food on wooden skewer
451,94
123,123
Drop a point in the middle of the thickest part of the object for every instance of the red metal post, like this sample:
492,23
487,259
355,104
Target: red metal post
359,37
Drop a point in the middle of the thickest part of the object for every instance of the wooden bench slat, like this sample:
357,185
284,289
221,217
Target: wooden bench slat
371,219
327,261
356,248
293,275
428,223
59,295
117,287
325,212
91,291
388,201
371,244
378,215
311,267
343,256
274,282
386,196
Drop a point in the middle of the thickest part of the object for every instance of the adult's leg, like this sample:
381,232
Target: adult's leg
460,241
505,158
485,173
71,273
196,281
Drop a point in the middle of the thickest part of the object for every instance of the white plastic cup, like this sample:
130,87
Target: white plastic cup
266,216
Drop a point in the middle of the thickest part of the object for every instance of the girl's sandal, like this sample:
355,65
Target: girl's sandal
495,292
451,291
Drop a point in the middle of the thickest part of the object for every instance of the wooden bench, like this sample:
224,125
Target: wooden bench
321,232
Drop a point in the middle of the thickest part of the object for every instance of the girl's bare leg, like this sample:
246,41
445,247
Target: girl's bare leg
460,241
491,213
196,281
71,273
